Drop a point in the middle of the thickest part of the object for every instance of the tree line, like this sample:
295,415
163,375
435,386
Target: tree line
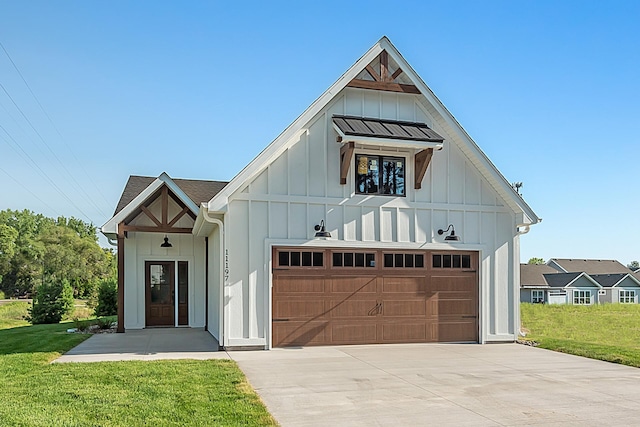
35,249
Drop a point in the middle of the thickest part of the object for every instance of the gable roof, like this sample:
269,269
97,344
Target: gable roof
613,280
199,191
533,274
590,266
190,192
563,280
525,215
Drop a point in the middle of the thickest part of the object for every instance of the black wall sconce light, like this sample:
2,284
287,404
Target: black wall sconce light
166,243
450,237
321,233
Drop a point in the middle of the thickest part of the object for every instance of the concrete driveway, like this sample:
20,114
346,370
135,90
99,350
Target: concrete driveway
441,385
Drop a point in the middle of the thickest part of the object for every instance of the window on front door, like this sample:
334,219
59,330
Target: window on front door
381,175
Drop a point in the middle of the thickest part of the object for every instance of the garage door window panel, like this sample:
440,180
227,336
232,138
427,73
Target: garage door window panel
353,259
288,258
403,260
457,261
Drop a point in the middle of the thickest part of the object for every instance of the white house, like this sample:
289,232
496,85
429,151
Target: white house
373,218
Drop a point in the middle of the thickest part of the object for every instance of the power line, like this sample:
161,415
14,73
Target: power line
53,124
50,150
42,173
30,192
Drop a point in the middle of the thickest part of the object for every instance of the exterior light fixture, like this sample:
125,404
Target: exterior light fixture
450,237
166,243
321,233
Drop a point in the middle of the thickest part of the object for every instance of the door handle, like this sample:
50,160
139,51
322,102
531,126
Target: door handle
377,309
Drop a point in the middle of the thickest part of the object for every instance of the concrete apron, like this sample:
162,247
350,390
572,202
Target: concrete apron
146,344
441,385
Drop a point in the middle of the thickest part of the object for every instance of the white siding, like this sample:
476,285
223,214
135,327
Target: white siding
141,247
301,187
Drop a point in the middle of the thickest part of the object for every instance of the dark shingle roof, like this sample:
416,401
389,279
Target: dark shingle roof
199,191
533,274
607,280
560,280
389,129
591,266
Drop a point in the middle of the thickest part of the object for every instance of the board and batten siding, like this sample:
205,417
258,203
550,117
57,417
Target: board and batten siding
301,187
140,247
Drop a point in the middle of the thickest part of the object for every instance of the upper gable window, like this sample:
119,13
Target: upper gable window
380,175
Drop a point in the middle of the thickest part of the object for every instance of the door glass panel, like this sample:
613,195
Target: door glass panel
183,280
160,284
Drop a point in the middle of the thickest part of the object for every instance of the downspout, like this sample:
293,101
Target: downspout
220,224
206,283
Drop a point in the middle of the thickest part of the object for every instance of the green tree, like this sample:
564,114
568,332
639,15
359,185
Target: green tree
8,236
64,249
53,300
535,261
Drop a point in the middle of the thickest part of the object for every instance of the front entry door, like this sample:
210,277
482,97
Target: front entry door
160,293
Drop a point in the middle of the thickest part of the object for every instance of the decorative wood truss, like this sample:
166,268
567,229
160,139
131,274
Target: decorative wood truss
164,224
383,79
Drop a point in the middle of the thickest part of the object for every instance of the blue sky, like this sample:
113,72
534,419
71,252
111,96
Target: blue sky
549,90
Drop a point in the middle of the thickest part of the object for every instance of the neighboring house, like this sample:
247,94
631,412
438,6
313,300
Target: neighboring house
341,231
595,281
533,286
621,287
572,288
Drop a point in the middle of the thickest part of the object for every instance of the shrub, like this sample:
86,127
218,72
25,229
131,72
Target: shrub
2,295
53,299
81,325
107,299
105,323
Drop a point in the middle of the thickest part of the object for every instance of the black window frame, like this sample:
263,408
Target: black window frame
381,159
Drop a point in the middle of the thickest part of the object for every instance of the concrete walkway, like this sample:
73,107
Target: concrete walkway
146,344
441,385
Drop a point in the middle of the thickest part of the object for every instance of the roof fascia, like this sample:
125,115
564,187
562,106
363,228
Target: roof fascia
587,277
281,143
111,226
500,180
552,260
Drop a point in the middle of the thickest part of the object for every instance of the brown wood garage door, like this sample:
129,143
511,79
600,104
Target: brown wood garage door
337,296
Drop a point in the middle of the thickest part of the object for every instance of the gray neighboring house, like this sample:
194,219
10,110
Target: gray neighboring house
620,287
572,288
533,286
579,281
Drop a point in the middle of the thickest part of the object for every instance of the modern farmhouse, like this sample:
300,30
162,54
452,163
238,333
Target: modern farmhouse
373,218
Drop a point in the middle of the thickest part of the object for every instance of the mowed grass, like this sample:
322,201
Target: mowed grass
608,332
34,392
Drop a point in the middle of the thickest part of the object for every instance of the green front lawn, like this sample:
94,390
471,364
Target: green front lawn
608,332
160,393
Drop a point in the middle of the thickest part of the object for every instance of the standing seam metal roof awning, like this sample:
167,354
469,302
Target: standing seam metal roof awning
364,129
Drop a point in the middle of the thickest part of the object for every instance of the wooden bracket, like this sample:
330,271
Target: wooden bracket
422,160
346,154
383,80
